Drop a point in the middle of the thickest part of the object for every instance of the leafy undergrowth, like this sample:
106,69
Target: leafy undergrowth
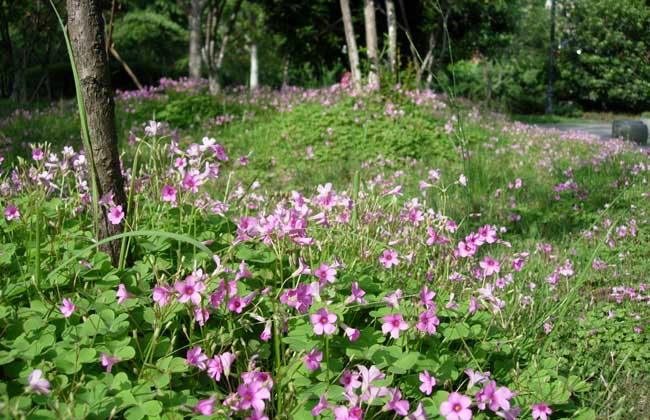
285,270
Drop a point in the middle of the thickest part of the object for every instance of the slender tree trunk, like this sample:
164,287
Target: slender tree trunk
353,52
86,30
371,41
392,35
7,60
427,62
254,77
19,89
195,12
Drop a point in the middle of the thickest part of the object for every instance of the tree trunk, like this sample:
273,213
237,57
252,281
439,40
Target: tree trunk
353,53
215,61
371,41
195,11
254,79
7,60
86,30
392,35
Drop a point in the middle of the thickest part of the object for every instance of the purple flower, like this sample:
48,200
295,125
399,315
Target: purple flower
357,294
108,361
456,407
205,407
396,404
393,324
252,395
428,322
38,383
323,322
313,359
12,212
476,377
195,357
495,398
169,194
427,382
389,259
189,290
122,294
115,215
162,294
67,308
541,410
418,414
325,273
352,333
322,405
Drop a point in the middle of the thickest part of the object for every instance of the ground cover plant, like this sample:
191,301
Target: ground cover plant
317,253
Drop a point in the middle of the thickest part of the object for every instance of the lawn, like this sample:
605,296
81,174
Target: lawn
315,253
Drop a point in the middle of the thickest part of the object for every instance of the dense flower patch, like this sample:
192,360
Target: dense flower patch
393,297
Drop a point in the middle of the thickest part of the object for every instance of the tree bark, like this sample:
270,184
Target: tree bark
392,35
371,41
353,52
86,30
254,77
194,15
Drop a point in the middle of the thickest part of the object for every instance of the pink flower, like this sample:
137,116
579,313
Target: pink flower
344,413
418,414
37,154
189,290
38,383
433,236
322,405
12,212
122,294
325,273
195,357
169,194
462,180
313,359
252,395
456,407
67,308
323,322
352,333
389,258
204,407
357,294
490,266
476,377
162,294
266,333
541,410
396,404
108,361
201,315
393,324
428,382
428,322
115,215
495,398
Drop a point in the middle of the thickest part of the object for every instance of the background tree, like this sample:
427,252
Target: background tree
194,10
220,23
372,48
86,31
351,43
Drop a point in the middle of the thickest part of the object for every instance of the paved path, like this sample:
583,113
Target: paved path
601,129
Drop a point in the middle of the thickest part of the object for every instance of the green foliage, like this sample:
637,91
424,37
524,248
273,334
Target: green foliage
152,44
602,60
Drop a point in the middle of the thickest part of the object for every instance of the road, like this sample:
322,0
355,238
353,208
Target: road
601,129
